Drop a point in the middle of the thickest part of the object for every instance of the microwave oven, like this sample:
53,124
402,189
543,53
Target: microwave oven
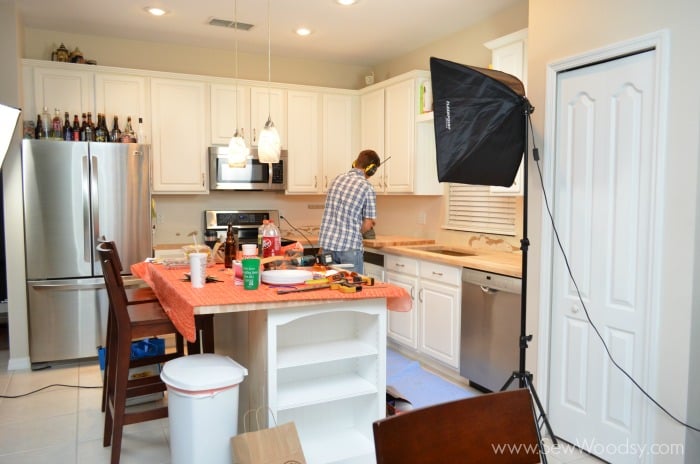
253,176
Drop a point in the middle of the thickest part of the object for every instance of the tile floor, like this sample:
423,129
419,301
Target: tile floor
63,424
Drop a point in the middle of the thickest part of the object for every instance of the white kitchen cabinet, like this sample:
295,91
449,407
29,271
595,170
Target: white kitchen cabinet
264,102
321,136
57,87
322,367
432,327
179,146
230,110
372,130
303,141
391,125
509,54
402,327
123,95
339,136
439,302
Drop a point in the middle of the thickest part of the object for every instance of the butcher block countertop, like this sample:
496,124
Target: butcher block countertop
498,262
382,241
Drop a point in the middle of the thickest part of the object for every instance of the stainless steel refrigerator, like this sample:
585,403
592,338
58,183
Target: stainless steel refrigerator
75,195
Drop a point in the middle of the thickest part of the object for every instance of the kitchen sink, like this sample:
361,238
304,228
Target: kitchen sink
450,252
447,251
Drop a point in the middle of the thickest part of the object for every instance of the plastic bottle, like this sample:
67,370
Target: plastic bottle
261,229
271,240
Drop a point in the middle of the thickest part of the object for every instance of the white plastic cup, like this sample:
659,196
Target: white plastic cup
198,269
249,250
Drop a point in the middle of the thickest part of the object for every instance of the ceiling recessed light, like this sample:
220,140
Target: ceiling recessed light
303,31
155,11
346,2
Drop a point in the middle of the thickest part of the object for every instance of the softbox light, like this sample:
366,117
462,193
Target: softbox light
8,122
479,119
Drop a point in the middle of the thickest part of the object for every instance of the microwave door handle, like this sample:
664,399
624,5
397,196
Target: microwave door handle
269,175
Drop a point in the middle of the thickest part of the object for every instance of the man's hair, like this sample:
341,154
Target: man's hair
367,158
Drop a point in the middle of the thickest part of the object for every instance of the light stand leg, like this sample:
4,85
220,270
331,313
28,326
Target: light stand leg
524,377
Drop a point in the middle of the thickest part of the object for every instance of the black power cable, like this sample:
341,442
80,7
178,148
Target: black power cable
44,388
297,230
580,297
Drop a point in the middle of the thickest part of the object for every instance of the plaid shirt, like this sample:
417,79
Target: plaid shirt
351,198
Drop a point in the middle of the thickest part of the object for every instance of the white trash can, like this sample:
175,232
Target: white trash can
202,407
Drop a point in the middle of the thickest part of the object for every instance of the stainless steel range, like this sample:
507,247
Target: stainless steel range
245,223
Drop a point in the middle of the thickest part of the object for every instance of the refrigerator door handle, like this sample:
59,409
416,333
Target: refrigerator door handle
66,286
87,252
95,199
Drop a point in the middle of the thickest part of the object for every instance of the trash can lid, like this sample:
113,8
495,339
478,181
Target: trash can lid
202,372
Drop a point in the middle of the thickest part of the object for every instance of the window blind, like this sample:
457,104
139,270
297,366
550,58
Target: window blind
474,208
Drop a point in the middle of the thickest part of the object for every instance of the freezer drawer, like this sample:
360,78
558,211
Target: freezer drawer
67,318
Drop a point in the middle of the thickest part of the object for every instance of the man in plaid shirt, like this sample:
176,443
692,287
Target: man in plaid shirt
350,211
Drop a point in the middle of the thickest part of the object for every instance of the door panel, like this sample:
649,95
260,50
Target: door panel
602,207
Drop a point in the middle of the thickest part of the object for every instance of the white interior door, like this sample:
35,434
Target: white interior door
603,207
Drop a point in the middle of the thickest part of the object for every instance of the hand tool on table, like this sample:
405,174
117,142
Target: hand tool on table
340,285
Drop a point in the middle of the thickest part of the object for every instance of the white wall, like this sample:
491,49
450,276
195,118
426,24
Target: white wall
562,29
11,37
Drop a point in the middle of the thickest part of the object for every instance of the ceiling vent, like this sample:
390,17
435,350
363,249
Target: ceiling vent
231,24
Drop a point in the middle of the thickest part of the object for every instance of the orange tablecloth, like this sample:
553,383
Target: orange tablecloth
181,302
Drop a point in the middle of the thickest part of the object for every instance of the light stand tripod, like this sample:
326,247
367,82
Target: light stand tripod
525,377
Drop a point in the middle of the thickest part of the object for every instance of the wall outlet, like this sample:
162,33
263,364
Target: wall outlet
160,219
422,218
315,206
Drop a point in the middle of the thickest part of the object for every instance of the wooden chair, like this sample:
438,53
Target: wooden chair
469,431
134,296
130,322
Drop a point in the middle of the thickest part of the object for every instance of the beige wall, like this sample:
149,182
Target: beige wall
110,51
560,29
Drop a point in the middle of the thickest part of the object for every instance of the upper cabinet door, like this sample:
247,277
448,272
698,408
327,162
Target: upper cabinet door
64,90
303,142
230,110
123,95
339,139
399,142
509,54
179,112
372,131
264,102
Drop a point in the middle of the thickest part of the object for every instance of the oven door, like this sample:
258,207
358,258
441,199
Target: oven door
254,176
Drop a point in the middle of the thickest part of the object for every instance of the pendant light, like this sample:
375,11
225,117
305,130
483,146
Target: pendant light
269,143
237,150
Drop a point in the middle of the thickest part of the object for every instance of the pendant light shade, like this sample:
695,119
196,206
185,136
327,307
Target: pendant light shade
238,151
269,145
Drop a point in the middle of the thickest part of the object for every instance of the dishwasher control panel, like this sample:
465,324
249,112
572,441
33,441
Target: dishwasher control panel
491,280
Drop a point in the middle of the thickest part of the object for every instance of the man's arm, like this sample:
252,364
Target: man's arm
367,224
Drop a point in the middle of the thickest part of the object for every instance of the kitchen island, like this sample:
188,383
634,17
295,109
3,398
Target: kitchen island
317,359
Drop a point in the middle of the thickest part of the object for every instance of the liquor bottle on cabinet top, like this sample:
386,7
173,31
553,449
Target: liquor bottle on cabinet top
56,126
83,129
46,121
76,129
89,129
101,132
128,133
142,133
67,129
116,134
39,130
